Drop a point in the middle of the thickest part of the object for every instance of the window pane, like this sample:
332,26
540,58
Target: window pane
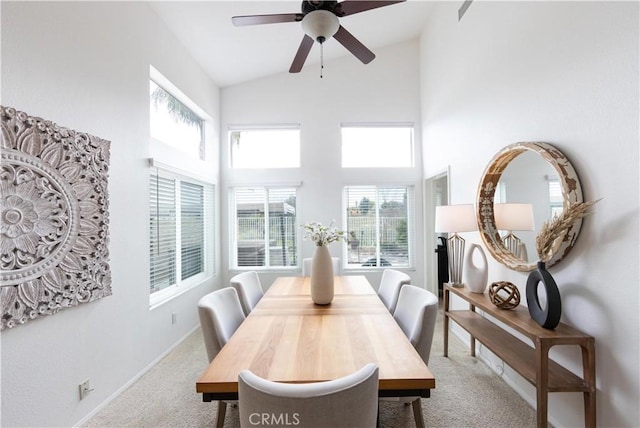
250,230
175,124
162,232
500,195
393,215
282,227
192,227
377,147
378,225
556,199
181,232
265,219
265,148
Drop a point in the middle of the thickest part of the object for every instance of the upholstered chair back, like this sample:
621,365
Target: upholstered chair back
220,315
249,289
348,402
416,313
390,283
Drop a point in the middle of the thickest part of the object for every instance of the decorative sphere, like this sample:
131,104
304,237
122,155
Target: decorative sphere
504,295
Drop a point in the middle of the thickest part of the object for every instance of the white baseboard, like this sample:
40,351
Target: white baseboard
133,380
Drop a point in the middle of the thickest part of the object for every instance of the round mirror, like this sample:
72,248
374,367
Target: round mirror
522,180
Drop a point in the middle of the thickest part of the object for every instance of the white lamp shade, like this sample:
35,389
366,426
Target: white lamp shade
513,216
320,23
455,218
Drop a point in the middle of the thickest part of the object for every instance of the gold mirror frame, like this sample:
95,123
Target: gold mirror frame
571,193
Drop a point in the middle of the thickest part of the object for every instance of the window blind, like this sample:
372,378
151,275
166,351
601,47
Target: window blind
192,225
162,244
181,229
265,229
379,222
556,200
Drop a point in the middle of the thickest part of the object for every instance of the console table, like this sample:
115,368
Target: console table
532,363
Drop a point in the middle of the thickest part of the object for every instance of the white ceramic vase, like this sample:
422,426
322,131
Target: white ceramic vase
321,276
476,276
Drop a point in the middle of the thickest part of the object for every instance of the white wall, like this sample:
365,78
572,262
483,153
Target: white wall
349,92
86,66
565,73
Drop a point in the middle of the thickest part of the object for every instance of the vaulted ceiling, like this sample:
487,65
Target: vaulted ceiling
232,55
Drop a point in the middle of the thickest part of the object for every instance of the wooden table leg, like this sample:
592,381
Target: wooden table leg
589,376
542,382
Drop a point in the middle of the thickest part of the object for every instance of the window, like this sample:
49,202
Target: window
379,225
265,148
500,195
265,227
556,200
181,233
377,146
175,124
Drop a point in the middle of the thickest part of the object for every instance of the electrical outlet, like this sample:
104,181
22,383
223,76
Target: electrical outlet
85,389
174,318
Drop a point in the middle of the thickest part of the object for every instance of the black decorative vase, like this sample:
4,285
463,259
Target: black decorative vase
549,317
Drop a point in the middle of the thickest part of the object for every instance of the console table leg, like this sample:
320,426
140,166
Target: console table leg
446,324
542,382
589,376
473,339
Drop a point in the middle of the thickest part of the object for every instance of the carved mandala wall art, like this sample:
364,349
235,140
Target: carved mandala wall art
54,225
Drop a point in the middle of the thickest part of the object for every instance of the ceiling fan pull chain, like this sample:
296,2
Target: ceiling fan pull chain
321,59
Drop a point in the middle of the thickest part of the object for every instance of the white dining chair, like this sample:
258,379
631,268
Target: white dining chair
249,289
306,266
347,402
389,289
416,313
220,315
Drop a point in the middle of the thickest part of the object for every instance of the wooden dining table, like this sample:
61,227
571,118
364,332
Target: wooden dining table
288,338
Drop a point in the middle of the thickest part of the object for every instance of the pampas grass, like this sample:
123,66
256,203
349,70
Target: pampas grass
554,230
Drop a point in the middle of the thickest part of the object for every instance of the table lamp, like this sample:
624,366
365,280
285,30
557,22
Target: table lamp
454,219
510,217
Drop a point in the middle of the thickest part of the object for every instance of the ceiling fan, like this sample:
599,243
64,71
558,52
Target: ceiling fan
320,22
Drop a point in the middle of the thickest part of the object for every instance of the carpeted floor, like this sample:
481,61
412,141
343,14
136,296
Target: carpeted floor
467,394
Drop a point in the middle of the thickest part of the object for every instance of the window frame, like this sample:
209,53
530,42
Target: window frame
209,226
233,229
410,220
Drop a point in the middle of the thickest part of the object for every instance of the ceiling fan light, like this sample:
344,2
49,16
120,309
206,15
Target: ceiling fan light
320,25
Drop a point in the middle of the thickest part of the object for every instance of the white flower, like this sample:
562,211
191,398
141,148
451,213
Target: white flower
25,218
322,235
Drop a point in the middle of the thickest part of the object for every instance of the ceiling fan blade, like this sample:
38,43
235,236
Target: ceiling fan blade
349,7
301,55
239,21
354,46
